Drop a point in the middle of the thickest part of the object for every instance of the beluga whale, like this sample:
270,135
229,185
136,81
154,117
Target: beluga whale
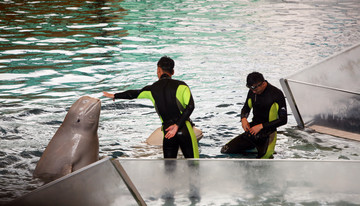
75,143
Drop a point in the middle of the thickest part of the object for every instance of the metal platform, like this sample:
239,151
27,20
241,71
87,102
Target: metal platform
326,96
204,182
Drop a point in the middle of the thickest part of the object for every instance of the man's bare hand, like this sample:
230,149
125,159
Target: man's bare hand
256,129
245,124
171,131
109,95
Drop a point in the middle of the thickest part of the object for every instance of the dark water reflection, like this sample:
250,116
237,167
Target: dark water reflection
40,29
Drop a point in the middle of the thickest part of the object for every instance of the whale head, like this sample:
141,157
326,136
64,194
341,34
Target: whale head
84,114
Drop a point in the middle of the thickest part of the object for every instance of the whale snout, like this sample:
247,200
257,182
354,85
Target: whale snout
94,107
84,112
88,105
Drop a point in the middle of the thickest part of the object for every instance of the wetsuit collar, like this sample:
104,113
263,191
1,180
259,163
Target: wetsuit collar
165,76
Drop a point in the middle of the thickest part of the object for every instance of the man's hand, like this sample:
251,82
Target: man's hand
256,129
245,124
107,94
171,131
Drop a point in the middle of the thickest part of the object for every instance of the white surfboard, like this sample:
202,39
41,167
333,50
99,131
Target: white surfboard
156,138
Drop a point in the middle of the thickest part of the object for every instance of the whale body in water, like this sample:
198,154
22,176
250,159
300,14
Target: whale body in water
75,143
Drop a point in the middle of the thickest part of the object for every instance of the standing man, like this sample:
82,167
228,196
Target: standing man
269,112
174,104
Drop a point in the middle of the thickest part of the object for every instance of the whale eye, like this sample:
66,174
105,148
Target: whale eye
78,120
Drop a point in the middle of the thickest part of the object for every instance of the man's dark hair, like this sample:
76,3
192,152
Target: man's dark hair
166,64
254,78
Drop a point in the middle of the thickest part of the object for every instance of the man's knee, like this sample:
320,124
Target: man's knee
224,149
237,145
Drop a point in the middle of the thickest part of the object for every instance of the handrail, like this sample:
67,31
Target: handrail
325,87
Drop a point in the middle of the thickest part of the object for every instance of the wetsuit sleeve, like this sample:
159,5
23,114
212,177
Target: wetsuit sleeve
281,113
186,100
130,94
245,111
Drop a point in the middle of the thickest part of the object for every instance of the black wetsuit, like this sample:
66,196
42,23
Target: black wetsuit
269,109
174,104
